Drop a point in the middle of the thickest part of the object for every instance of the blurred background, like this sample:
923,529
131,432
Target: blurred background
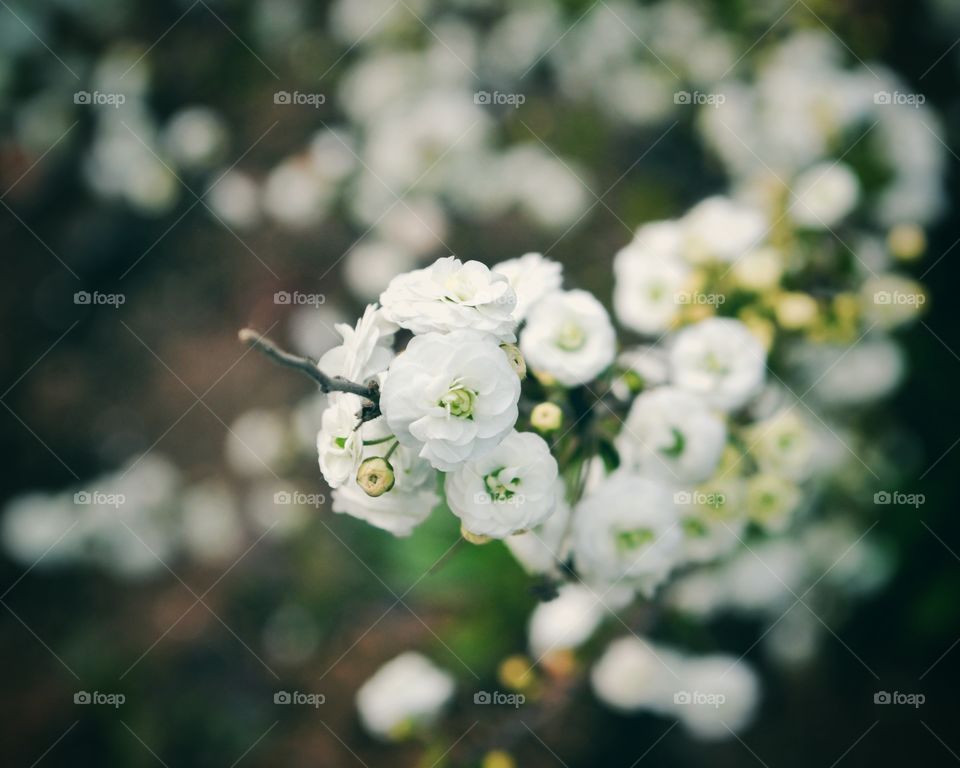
172,171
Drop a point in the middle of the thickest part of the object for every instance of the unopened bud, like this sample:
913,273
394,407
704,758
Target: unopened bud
512,351
474,538
795,310
907,241
375,476
546,417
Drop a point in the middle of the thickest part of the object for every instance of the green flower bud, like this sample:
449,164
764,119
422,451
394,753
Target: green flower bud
375,476
512,351
546,417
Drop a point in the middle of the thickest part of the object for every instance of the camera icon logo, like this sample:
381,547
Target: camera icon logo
282,297
881,697
682,97
683,497
882,497
282,97
81,697
882,97
282,497
281,697
82,97
82,297
482,97
482,697
82,497
682,697
882,297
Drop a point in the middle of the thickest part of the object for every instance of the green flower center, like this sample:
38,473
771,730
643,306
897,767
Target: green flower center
499,490
459,401
571,337
633,539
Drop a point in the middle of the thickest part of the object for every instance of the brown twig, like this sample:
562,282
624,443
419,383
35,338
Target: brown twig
369,392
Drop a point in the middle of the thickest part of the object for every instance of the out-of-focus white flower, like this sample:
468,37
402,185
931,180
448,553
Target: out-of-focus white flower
634,674
720,360
403,696
451,397
545,546
649,364
771,500
211,528
759,270
366,349
627,530
718,695
650,274
824,195
722,229
782,444
569,337
452,295
565,622
339,441
892,300
257,442
294,195
371,264
672,435
403,507
235,198
509,489
857,375
195,137
532,277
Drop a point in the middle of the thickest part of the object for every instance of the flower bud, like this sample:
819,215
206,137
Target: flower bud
375,476
795,310
907,241
512,351
473,538
498,759
546,417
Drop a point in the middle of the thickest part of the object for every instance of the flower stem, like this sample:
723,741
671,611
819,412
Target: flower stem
370,393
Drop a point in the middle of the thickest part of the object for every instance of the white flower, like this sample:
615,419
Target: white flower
718,694
824,195
451,397
650,273
545,546
771,500
450,295
406,505
366,349
509,489
532,277
672,435
783,443
405,694
721,229
634,674
565,622
569,336
720,360
339,442
627,530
